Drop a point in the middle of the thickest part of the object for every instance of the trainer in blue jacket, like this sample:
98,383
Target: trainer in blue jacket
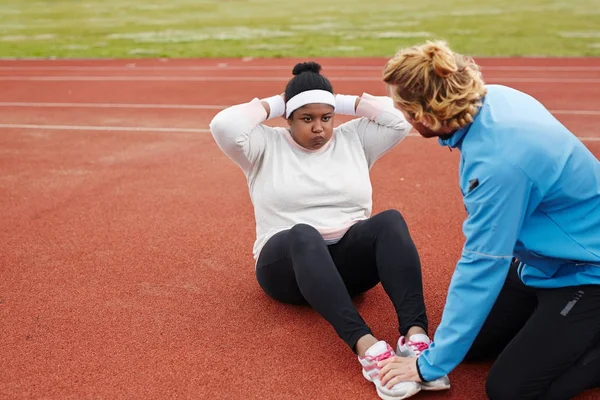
526,291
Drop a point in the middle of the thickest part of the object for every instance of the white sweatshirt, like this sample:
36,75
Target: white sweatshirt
329,188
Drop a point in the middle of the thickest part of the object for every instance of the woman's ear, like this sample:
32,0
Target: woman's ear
289,120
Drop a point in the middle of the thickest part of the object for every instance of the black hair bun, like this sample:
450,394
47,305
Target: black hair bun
310,66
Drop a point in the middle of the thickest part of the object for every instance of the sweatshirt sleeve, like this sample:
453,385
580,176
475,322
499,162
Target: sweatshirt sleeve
496,209
381,128
238,132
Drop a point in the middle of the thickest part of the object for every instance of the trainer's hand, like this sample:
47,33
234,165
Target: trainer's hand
398,369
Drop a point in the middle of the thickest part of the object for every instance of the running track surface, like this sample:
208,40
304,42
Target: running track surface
126,234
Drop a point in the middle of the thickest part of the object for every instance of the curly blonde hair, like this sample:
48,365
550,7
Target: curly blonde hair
435,86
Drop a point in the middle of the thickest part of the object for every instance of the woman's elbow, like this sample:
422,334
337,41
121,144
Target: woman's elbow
220,124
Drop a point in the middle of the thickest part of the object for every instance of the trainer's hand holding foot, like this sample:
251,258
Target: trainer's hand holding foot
530,189
398,369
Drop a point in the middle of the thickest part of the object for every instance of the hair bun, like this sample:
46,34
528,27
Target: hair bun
310,66
442,59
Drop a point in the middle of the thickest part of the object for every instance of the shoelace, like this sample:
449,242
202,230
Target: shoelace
418,347
384,356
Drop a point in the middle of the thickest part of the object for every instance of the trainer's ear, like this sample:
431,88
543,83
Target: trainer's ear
428,121
289,120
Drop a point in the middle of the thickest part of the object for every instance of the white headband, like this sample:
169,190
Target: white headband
308,97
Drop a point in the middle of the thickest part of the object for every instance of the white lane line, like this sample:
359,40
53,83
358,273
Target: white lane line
113,105
104,128
224,66
154,129
259,79
192,107
575,112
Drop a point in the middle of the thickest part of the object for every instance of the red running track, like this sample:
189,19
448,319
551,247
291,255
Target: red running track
126,234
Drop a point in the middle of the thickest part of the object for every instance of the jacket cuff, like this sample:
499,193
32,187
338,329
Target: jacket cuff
419,371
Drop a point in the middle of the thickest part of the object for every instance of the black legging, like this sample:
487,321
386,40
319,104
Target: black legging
546,342
296,266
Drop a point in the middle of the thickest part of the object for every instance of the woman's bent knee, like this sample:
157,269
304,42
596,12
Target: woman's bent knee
390,216
305,234
390,221
304,230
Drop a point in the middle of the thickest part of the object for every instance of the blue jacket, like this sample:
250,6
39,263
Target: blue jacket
532,191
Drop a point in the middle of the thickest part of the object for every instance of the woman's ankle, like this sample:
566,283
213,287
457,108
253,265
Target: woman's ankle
363,344
415,330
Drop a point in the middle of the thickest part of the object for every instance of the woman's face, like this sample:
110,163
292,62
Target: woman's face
312,125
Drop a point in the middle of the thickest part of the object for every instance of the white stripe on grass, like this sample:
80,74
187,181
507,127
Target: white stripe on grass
588,12
345,48
267,46
152,7
323,27
160,37
22,38
463,32
475,12
377,25
13,25
137,52
580,35
75,47
184,36
393,35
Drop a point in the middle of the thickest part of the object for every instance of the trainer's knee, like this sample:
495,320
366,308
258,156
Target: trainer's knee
503,385
497,390
305,235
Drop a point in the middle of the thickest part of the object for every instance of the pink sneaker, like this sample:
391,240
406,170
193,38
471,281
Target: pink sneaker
378,352
413,348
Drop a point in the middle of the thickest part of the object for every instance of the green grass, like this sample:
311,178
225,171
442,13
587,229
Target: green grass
306,28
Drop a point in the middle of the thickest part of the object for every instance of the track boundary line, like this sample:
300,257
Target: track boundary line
9,104
223,67
259,79
104,128
160,129
115,105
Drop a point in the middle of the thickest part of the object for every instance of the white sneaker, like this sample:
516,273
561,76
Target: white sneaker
413,347
378,352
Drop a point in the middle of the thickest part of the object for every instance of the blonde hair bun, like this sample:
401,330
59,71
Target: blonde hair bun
433,84
442,58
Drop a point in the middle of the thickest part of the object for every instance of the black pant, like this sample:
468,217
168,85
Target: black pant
547,341
297,267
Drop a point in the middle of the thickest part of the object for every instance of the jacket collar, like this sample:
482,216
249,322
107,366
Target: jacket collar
454,139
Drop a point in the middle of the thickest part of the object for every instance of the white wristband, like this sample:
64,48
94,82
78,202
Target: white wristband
344,104
277,106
